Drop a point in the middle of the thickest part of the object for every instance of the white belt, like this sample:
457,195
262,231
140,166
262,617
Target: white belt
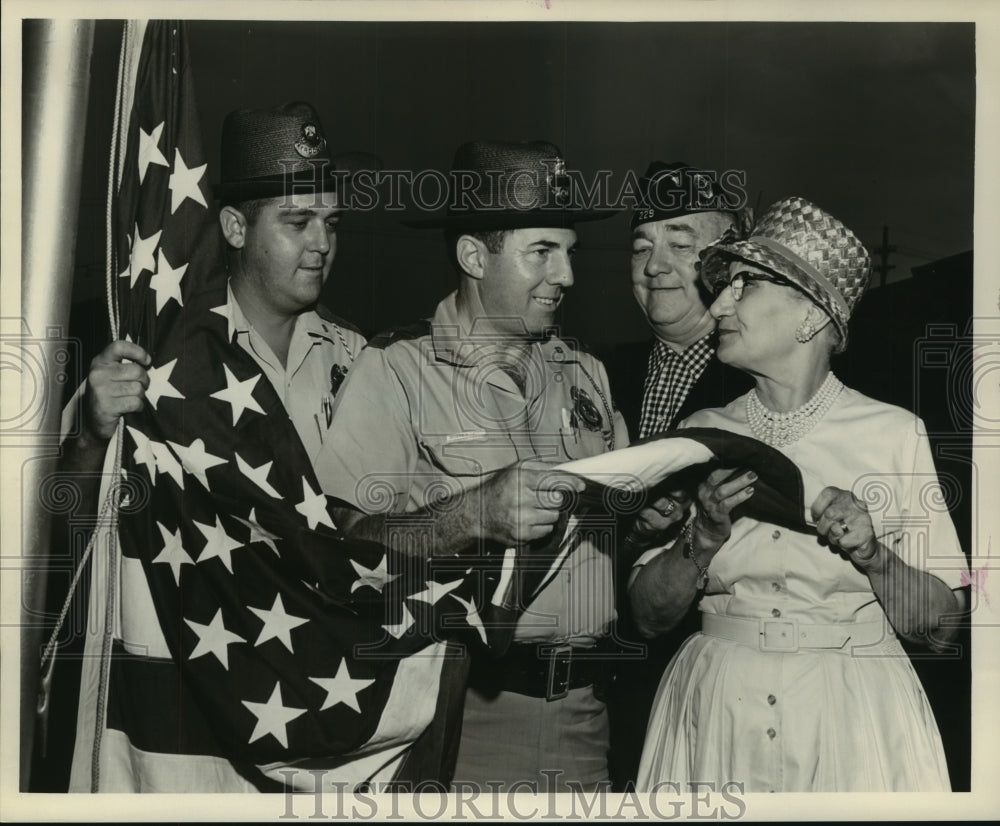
788,635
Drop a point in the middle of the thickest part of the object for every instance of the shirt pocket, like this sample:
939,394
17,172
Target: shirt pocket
470,458
582,443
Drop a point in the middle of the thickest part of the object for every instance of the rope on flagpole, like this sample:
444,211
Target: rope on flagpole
110,257
128,59
113,320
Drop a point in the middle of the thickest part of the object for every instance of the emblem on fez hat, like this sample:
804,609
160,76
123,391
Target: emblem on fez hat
311,142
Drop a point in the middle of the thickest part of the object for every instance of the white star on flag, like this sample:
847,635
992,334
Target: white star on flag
272,717
257,475
184,182
149,150
377,577
472,615
257,533
403,626
277,624
167,281
341,689
196,460
167,463
213,639
226,311
143,256
238,394
313,507
143,454
218,543
435,590
159,384
173,553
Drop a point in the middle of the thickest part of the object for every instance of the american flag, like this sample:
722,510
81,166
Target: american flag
250,634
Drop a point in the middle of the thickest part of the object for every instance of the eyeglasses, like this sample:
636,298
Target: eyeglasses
741,279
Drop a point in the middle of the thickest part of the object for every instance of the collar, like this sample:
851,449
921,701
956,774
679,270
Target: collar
307,323
458,340
664,350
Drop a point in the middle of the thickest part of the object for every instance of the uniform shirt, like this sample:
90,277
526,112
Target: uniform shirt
434,408
319,356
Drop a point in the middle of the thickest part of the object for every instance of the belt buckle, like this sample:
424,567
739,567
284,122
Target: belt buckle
560,658
780,636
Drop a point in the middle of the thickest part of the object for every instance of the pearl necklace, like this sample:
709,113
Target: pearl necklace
781,429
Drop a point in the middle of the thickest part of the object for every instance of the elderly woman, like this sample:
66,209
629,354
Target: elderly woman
797,681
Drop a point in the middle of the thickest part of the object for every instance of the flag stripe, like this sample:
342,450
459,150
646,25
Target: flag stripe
149,702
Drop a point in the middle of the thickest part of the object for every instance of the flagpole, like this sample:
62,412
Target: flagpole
56,86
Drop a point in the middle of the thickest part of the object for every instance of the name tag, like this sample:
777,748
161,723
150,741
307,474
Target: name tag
466,436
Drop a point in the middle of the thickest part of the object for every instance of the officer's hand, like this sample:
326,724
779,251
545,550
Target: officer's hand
114,387
521,503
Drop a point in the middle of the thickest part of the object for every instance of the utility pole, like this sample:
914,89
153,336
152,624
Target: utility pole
884,251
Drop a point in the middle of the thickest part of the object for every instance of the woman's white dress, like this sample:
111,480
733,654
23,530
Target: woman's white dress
854,719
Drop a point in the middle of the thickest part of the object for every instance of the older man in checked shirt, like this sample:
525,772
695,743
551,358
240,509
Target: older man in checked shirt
681,211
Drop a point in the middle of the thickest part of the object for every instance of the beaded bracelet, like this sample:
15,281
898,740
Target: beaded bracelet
688,553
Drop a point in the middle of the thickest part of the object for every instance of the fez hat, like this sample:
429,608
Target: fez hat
269,153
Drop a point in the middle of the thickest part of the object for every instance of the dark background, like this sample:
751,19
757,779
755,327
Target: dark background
874,122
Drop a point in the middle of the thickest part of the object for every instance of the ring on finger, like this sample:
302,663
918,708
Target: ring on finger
668,508
844,527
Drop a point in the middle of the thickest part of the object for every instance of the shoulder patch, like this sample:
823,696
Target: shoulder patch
420,329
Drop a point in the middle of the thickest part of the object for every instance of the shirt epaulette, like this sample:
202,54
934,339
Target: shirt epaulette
577,346
408,333
324,313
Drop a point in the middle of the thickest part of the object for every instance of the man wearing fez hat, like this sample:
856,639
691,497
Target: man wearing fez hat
279,211
680,211
454,421
278,214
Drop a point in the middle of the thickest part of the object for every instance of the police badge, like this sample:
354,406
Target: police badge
337,375
558,181
585,410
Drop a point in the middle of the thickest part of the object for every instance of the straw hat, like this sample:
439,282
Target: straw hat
498,184
805,244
